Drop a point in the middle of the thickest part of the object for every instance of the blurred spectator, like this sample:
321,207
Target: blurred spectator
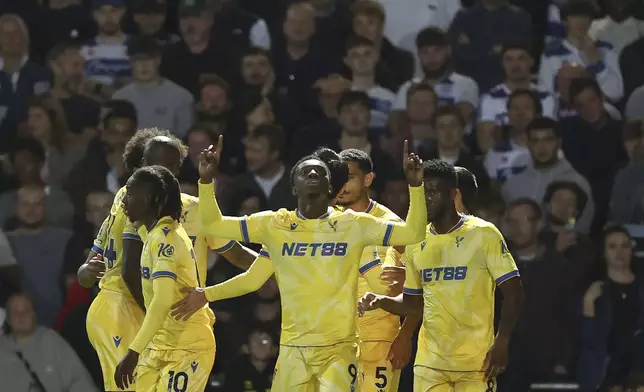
511,156
266,170
199,54
34,357
631,62
489,205
361,58
97,207
592,144
46,123
619,27
214,103
613,310
395,194
542,342
477,48
27,161
627,198
567,73
159,102
563,203
199,137
240,28
435,56
393,66
150,18
9,272
449,125
106,60
257,70
517,65
81,112
578,47
45,254
405,19
20,77
332,25
299,64
61,21
634,109
253,370
544,143
249,202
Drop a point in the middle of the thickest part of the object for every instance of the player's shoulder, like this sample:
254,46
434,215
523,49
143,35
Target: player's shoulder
117,204
189,200
381,211
482,226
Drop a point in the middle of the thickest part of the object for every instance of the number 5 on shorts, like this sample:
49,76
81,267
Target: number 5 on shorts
380,375
178,382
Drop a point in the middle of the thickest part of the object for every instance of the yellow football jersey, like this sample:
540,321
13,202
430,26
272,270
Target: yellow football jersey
457,273
378,324
109,243
191,222
168,253
316,261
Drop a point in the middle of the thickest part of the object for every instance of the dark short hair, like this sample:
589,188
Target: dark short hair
256,51
524,92
633,129
580,194
489,199
214,79
143,45
368,8
578,85
577,8
337,167
30,145
448,110
354,97
420,87
468,186
119,108
203,127
60,48
436,168
274,134
526,201
357,41
523,46
359,157
541,122
431,36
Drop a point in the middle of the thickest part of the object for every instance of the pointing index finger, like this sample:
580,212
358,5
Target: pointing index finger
405,150
220,143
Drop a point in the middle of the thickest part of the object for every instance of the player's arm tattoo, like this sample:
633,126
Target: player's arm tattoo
512,291
131,270
240,256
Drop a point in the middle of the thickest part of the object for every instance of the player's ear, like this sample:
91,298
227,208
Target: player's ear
294,191
455,194
368,179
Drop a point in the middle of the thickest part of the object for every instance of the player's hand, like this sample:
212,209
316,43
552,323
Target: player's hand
209,161
369,301
400,352
413,166
93,270
395,276
124,374
192,302
496,359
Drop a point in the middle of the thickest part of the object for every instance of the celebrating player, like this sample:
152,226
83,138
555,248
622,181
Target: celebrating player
316,252
178,355
376,330
455,269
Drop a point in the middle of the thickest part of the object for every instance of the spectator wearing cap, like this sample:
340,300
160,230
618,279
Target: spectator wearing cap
394,66
517,66
619,27
435,55
199,54
477,54
62,21
106,60
150,18
544,142
243,29
592,144
627,198
159,102
578,47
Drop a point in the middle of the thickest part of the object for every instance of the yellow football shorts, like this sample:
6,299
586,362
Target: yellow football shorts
434,380
113,321
324,369
376,372
174,370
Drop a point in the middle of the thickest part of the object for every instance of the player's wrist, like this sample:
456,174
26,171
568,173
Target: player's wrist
416,187
206,180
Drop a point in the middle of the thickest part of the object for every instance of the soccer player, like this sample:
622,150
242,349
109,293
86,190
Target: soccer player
451,277
377,329
114,317
466,190
316,253
171,354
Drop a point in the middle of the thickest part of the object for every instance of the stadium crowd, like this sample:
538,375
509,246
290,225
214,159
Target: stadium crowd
543,102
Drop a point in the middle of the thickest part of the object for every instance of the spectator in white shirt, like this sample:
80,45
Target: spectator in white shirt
578,47
555,30
517,64
619,28
361,58
452,88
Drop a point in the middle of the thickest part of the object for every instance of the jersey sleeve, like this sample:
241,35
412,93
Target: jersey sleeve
379,231
258,273
370,268
393,258
98,246
246,229
219,245
413,284
166,257
130,232
499,261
